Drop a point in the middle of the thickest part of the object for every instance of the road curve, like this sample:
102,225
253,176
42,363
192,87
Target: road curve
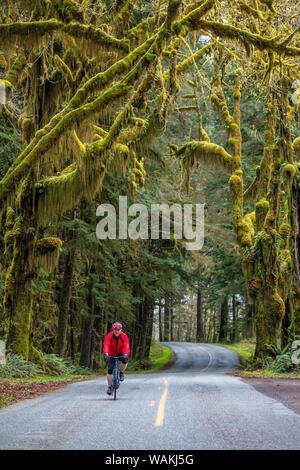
193,405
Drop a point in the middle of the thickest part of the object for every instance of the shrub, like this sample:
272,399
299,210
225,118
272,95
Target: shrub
278,360
60,365
16,366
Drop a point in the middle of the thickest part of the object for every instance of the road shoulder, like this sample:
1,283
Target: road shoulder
13,391
286,391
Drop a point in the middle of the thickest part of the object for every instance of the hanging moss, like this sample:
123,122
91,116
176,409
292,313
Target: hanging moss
48,244
261,209
24,192
47,140
36,357
210,154
285,260
190,22
69,10
250,220
18,230
9,238
33,30
229,31
296,147
28,129
10,281
14,73
65,71
3,63
120,21
10,218
251,191
254,285
285,230
121,156
236,184
276,307
48,251
289,169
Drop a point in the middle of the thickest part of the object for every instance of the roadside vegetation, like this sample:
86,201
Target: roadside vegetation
278,363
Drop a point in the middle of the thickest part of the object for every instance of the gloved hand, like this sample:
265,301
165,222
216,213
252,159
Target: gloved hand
106,357
125,358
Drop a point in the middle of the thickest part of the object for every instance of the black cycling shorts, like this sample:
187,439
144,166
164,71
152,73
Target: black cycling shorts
111,363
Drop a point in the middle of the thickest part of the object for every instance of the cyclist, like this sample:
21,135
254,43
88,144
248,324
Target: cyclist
116,343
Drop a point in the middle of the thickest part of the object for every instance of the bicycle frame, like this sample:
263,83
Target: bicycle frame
116,377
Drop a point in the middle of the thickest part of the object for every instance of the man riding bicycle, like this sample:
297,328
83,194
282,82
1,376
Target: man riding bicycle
116,343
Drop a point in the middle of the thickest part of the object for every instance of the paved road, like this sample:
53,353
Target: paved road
193,405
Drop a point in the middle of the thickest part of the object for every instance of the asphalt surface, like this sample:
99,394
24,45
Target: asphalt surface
192,405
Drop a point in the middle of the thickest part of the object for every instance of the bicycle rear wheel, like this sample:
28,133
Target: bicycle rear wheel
115,392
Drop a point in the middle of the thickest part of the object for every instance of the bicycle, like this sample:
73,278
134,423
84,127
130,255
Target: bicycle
116,376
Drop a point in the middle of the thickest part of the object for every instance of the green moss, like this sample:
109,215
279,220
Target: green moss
27,128
48,244
261,210
289,169
269,221
254,284
296,147
192,20
285,261
226,30
285,229
18,230
33,30
65,71
3,63
16,69
250,220
36,357
9,238
24,192
10,285
210,154
10,218
48,251
277,307
236,184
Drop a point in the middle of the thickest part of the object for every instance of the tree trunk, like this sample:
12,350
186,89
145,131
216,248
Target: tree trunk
223,320
72,342
233,333
86,345
64,303
172,319
167,320
200,329
249,322
160,321
149,330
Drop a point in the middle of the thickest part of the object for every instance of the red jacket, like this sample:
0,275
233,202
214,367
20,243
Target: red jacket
110,344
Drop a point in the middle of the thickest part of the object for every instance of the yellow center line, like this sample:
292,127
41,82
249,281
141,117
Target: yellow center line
161,407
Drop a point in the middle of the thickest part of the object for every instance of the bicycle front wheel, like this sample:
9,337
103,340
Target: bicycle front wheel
115,392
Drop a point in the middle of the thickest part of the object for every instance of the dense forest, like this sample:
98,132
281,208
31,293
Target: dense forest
165,102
